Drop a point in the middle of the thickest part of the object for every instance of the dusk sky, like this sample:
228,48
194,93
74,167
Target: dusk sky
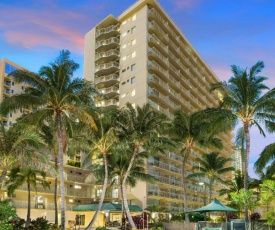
241,32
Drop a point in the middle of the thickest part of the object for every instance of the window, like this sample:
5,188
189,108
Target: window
124,46
80,219
123,70
124,34
10,123
134,17
22,87
124,58
133,80
133,92
134,105
133,42
133,54
9,68
124,22
123,95
12,83
10,114
133,67
115,193
133,30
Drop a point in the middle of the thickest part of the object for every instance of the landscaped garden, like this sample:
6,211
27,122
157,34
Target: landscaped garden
63,118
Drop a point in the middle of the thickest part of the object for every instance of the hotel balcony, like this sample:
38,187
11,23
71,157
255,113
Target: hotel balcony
160,71
7,92
107,44
107,56
107,68
155,28
154,40
110,91
7,84
157,96
156,81
167,167
159,108
108,104
163,194
154,53
19,204
153,14
106,80
107,31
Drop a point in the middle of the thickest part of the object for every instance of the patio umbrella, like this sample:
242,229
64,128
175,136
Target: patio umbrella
215,206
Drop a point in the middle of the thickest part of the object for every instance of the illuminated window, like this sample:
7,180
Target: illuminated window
134,105
124,58
133,42
133,54
133,92
123,95
134,17
124,34
124,22
77,186
124,46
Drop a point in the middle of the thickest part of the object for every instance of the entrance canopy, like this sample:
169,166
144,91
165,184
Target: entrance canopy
105,207
215,206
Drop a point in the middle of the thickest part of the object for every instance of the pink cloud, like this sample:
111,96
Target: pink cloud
33,28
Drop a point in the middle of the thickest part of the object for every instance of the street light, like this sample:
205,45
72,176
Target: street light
204,197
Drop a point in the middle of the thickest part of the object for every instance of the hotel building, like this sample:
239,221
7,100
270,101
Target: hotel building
141,57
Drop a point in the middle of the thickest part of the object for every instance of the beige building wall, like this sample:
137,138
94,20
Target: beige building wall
145,58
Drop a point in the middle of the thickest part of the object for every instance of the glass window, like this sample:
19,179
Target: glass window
133,54
9,68
133,30
133,67
134,17
133,80
133,93
80,220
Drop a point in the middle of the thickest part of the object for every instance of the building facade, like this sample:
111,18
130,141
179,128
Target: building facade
141,57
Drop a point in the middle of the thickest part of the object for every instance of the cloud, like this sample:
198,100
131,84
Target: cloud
48,26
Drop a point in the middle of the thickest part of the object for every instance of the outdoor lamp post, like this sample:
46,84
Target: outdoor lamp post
204,192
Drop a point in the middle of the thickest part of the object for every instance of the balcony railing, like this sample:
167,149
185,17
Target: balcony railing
112,28
152,64
111,102
107,66
107,42
106,78
109,53
158,54
112,89
153,37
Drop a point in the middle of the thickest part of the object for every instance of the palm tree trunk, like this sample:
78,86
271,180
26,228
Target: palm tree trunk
103,192
128,214
184,161
55,192
61,168
29,207
246,161
2,178
210,190
122,205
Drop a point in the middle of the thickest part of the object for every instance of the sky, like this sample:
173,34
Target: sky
33,32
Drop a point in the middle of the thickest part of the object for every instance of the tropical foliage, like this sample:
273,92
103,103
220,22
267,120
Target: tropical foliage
211,166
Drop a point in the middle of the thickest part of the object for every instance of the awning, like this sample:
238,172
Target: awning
105,207
215,206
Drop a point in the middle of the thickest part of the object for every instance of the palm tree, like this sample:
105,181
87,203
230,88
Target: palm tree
118,164
54,93
242,98
233,186
27,174
211,166
102,141
266,160
142,130
199,128
14,143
